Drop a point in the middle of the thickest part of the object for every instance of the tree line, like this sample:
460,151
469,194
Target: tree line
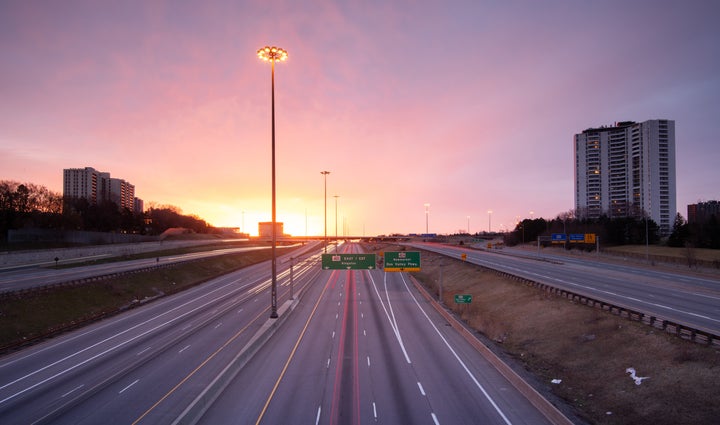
28,205
621,230
610,231
701,234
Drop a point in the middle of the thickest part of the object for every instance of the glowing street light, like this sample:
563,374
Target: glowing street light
272,54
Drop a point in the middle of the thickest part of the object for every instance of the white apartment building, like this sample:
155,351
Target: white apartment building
122,193
87,183
97,186
627,170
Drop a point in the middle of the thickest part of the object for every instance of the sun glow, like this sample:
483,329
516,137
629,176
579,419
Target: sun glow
294,224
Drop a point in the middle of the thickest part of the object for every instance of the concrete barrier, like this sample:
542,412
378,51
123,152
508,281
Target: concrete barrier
197,408
9,259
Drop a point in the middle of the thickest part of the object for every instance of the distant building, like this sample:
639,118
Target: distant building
138,206
97,186
86,183
265,229
702,211
627,170
122,193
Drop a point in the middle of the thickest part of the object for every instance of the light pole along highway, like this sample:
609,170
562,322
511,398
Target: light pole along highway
325,173
427,213
336,233
272,54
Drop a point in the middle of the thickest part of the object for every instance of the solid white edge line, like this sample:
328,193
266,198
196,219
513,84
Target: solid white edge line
457,357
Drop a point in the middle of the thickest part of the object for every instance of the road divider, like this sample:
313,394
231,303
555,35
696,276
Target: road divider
197,408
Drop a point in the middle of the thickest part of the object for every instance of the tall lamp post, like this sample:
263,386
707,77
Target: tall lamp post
272,54
489,221
427,213
336,234
325,173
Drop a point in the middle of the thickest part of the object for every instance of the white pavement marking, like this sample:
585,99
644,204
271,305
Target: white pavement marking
128,387
72,391
457,357
317,417
393,322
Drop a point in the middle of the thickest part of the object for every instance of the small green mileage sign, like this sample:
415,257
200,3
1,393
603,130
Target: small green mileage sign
463,299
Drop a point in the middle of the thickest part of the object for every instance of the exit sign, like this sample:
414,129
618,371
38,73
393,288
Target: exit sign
348,261
463,299
402,261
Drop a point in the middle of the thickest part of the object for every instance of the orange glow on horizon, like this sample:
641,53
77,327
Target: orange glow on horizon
294,223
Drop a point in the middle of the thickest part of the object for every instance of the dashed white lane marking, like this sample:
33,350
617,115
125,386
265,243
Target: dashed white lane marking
128,387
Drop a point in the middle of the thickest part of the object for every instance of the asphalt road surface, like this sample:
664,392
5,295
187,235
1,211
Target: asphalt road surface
369,349
360,347
17,278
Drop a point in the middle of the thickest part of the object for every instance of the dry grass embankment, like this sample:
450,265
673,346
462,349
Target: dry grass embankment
700,259
589,350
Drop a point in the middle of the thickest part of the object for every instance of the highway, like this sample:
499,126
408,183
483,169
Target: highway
358,347
681,298
18,278
93,374
370,350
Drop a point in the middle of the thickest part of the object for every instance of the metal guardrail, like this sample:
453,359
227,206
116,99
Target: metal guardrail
690,333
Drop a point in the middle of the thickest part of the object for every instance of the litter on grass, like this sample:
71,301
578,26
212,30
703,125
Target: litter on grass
638,379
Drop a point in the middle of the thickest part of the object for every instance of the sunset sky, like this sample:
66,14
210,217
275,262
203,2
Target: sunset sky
468,106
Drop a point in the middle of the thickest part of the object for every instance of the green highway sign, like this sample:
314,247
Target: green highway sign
463,299
348,261
402,261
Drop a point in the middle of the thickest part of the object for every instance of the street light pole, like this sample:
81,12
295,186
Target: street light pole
272,54
427,213
489,221
336,217
325,173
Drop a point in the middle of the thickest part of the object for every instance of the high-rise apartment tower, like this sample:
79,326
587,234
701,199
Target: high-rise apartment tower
97,186
627,170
